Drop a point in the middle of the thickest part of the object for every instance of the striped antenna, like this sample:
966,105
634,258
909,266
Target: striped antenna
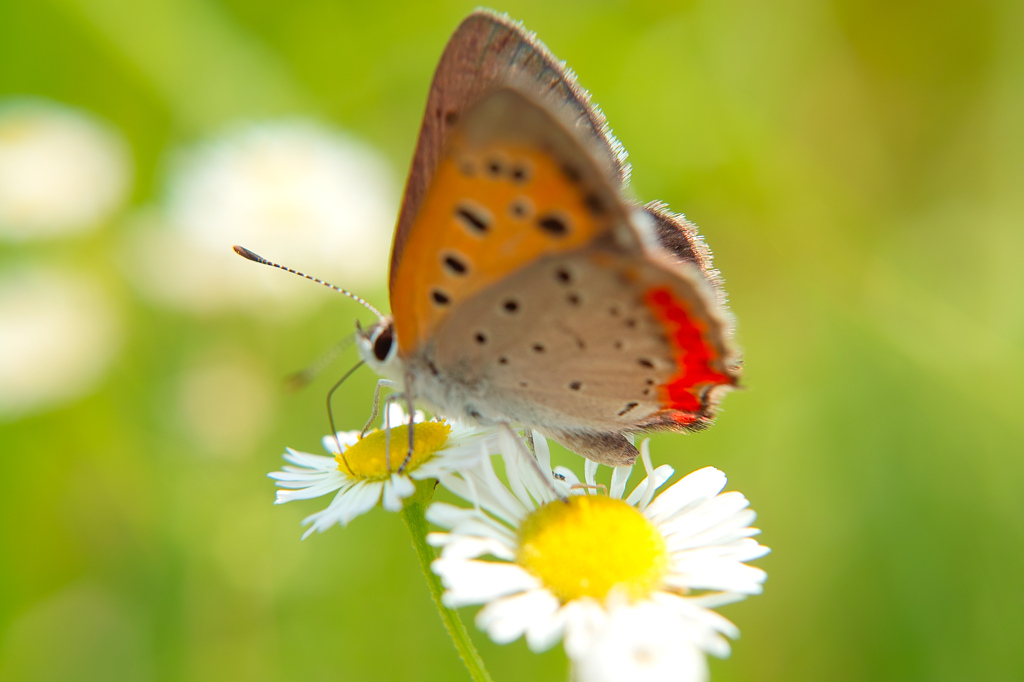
246,253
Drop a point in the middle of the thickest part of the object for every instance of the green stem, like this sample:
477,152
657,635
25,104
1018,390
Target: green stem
414,515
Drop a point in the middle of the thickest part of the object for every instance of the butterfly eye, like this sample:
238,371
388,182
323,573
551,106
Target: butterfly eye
383,342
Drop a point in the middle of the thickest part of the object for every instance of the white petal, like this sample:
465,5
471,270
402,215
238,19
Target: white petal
714,600
396,416
716,518
478,582
395,489
590,472
620,476
742,549
584,621
642,643
482,526
507,619
304,459
542,450
693,608
481,486
318,490
641,496
544,633
448,515
347,505
292,477
472,548
716,574
702,484
344,438
362,501
515,471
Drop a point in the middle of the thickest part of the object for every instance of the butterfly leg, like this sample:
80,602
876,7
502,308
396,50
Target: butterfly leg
376,403
411,408
388,399
387,431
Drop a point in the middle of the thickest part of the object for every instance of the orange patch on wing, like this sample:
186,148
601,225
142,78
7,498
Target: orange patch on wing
491,222
694,355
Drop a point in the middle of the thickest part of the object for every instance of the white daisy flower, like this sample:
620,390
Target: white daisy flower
363,474
579,563
61,170
298,192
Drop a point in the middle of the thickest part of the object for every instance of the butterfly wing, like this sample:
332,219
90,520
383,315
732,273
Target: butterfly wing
540,297
489,51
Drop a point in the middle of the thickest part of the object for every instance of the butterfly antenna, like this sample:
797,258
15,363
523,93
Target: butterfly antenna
256,258
303,377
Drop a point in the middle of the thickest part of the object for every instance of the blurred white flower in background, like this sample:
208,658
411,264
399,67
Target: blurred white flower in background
61,171
226,402
293,191
58,336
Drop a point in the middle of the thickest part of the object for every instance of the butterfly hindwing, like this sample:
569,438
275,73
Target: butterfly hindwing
598,340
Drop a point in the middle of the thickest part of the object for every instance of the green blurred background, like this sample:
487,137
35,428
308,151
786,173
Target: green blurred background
856,168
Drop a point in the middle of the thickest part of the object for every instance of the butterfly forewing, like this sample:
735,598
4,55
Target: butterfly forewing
487,52
513,186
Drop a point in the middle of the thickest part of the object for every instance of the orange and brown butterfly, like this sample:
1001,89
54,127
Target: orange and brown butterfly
526,287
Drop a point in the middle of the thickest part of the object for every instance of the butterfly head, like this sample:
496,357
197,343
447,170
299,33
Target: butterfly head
378,347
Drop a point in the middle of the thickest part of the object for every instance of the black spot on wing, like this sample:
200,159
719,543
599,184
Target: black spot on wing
454,264
554,224
473,218
627,408
594,204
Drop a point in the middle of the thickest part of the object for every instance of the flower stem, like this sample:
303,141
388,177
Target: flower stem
414,515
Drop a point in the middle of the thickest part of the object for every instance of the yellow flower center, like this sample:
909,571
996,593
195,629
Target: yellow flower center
590,545
366,458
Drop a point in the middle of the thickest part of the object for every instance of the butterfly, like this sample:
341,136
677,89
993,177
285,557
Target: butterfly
526,287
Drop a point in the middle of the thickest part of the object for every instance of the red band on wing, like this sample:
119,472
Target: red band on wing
693,354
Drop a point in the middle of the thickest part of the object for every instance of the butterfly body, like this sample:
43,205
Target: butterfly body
525,287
